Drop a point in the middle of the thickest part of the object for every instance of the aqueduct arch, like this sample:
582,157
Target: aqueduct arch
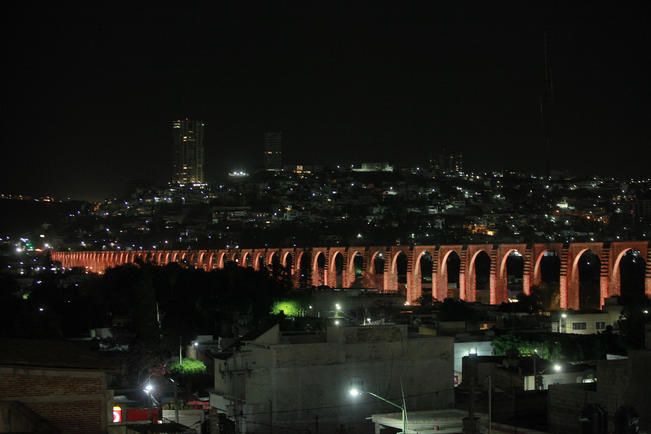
350,269
441,279
417,275
258,260
502,275
319,273
393,277
271,254
377,268
337,259
617,252
323,270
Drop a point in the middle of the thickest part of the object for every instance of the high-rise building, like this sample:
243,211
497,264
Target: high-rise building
188,152
273,151
455,161
447,161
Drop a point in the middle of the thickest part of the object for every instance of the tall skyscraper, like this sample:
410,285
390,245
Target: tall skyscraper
455,161
273,151
447,161
188,152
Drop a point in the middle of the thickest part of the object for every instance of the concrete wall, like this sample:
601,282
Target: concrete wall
626,382
565,403
619,383
554,378
299,385
73,400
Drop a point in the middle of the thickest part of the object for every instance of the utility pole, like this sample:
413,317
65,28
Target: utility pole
490,404
176,402
471,422
535,372
180,351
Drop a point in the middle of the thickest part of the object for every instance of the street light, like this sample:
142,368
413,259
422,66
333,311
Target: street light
355,392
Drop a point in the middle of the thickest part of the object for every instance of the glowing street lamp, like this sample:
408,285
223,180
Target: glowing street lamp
356,391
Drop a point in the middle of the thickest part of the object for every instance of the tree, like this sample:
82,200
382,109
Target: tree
552,346
188,367
187,373
632,323
548,295
453,310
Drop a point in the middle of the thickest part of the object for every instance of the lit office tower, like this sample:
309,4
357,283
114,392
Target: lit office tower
455,161
188,152
273,151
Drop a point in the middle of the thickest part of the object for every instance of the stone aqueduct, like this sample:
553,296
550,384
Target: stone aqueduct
323,271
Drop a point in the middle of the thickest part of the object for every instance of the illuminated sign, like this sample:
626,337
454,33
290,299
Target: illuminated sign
117,414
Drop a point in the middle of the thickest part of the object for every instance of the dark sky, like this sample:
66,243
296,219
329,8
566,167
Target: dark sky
91,92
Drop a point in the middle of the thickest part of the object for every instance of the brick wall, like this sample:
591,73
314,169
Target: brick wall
73,400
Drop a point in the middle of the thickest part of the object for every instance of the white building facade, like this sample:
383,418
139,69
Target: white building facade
287,382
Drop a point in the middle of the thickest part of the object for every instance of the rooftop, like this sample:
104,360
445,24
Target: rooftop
50,353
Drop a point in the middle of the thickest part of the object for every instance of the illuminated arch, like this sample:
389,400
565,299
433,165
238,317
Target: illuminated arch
371,265
333,259
284,256
417,259
256,261
536,267
472,275
505,258
615,284
299,256
220,259
351,259
270,257
574,288
394,260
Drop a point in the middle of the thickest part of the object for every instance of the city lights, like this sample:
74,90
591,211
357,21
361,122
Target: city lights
314,195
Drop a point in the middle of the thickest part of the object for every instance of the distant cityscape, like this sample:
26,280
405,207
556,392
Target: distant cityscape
371,203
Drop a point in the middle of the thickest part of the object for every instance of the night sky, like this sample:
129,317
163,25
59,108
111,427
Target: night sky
91,92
